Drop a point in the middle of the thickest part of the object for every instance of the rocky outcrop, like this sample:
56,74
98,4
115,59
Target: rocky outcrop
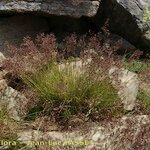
130,19
126,133
127,18
73,8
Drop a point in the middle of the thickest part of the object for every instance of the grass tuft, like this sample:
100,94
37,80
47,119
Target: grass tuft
70,92
65,92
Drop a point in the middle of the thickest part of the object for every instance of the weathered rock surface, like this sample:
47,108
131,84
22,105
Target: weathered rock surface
73,8
10,99
127,83
129,18
132,132
13,101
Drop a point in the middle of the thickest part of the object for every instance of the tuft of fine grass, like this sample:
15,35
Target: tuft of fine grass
71,93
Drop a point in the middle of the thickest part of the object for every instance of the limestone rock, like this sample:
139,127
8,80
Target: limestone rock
127,83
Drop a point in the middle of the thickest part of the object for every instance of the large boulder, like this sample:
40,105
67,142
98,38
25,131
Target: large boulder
130,19
46,13
73,8
127,18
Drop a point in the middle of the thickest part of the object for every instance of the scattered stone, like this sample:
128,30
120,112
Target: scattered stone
127,83
14,102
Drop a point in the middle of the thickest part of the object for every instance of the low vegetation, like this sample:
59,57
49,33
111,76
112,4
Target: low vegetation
8,126
144,97
67,80
8,132
72,94
63,92
137,66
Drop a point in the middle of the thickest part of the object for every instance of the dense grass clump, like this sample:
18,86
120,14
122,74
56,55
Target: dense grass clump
62,89
72,93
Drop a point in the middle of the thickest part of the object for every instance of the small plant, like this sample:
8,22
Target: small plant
134,62
137,66
144,97
146,16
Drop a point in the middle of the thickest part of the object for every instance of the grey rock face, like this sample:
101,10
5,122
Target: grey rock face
74,8
129,18
128,84
13,101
